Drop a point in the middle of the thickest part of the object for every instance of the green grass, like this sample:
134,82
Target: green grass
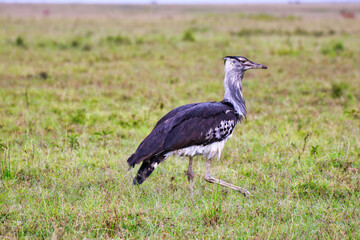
78,94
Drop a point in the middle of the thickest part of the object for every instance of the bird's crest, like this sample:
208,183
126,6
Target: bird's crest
237,58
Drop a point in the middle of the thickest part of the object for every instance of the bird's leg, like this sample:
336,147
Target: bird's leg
211,179
190,175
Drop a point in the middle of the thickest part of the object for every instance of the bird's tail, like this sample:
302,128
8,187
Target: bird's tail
132,160
147,167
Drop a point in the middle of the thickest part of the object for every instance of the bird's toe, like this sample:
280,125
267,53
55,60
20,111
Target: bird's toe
246,193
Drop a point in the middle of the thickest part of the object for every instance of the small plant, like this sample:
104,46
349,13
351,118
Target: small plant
314,150
43,75
301,151
75,43
338,46
174,80
188,36
354,113
118,40
245,32
5,163
139,41
338,89
20,42
333,49
73,141
103,134
2,147
78,117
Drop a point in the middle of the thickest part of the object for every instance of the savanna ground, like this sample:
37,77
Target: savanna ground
81,86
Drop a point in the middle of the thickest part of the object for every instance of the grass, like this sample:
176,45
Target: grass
79,93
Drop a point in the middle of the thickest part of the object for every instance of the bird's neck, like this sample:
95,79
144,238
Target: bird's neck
233,91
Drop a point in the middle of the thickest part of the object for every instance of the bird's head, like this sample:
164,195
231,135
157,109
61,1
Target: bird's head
240,64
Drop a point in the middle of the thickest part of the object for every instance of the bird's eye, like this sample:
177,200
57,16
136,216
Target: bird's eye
243,61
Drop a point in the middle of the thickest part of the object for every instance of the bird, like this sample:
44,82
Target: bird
197,129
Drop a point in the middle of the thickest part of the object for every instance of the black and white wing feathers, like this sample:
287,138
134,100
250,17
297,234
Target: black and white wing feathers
188,125
203,125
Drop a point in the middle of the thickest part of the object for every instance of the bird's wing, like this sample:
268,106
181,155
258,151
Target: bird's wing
193,124
201,125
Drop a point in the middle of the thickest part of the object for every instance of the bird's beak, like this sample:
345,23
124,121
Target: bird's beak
257,66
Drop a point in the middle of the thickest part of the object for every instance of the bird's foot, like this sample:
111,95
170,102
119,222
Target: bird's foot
245,192
190,175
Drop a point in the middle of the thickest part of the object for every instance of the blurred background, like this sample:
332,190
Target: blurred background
176,1
82,84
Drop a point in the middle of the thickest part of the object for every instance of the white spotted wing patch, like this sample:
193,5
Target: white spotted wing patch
221,131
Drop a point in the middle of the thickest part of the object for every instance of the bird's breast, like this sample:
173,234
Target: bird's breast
209,151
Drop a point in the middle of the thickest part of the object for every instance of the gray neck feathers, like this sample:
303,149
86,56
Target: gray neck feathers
233,91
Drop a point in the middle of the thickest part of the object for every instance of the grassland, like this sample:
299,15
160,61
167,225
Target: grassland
81,86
